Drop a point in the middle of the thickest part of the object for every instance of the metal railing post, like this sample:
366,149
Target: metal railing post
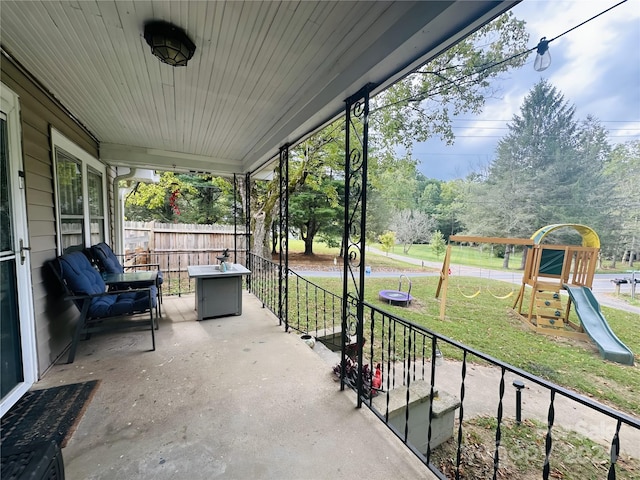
283,280
355,214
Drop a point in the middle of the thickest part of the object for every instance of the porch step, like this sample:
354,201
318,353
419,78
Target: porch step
444,407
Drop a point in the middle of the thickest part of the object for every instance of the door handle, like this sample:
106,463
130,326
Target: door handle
23,256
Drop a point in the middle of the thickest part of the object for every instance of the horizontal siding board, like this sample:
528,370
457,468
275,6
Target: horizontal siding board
41,244
39,213
38,197
36,166
41,294
32,119
39,257
32,98
53,335
34,152
39,138
37,182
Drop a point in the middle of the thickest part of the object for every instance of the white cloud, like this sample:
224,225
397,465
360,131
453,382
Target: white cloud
589,48
596,67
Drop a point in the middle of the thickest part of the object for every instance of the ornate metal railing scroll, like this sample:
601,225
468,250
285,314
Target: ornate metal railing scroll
283,231
355,202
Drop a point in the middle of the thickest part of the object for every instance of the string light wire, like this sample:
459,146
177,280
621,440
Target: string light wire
422,95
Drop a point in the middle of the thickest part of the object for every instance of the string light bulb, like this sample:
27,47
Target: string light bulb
543,57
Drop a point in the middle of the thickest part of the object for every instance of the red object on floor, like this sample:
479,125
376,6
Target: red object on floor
376,381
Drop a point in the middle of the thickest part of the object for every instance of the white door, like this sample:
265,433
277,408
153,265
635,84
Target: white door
17,337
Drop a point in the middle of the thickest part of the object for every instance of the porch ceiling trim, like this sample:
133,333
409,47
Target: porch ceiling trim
157,159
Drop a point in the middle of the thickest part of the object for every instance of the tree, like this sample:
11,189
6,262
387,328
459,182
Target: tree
412,227
388,240
507,202
413,110
457,81
319,155
212,201
315,208
438,245
536,162
548,169
188,198
392,187
443,201
623,170
422,106
156,201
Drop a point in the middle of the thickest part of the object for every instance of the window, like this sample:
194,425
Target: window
96,206
80,182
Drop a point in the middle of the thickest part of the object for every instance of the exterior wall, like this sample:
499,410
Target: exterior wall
54,318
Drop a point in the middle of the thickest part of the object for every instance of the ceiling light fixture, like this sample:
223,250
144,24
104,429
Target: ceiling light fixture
169,43
543,57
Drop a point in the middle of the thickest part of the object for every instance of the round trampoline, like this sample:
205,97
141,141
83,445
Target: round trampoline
397,297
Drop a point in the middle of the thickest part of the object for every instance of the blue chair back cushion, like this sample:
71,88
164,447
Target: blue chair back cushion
83,279
108,262
79,274
106,258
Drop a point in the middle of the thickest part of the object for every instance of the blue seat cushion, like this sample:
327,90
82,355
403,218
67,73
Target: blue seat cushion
123,303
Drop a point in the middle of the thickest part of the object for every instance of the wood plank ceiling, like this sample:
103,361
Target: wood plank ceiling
264,73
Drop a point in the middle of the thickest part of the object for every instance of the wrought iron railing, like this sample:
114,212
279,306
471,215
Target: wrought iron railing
264,281
314,310
408,354
417,365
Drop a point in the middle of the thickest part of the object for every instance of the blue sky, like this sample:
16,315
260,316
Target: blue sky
596,67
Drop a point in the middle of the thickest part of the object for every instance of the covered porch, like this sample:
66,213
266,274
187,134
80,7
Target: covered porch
232,397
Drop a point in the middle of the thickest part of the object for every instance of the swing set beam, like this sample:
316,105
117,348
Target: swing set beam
443,283
496,240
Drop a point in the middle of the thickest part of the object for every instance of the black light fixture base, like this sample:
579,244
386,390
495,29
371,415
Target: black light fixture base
169,43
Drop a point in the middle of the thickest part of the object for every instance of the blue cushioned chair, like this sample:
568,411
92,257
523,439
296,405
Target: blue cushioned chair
101,310
107,261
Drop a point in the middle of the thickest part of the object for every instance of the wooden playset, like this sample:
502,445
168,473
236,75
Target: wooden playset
548,269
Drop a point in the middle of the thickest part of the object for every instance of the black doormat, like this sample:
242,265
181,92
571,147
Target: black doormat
48,414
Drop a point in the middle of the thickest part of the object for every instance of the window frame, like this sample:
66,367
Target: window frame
87,161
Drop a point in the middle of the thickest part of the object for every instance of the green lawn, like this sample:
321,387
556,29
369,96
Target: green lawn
375,261
297,246
472,256
486,324
481,256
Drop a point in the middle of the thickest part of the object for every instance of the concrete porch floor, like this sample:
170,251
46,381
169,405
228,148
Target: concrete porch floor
232,397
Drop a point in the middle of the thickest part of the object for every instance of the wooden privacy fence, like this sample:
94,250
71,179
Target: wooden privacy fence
174,246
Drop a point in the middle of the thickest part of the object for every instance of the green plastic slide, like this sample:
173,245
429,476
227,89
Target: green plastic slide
596,326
